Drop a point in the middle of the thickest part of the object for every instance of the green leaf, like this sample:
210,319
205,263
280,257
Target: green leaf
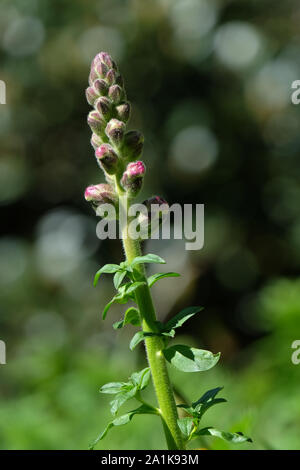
147,259
207,401
185,425
112,387
199,407
108,269
210,394
181,317
107,307
124,419
139,337
121,398
234,437
133,286
132,317
124,391
189,359
141,378
118,278
156,277
117,299
126,293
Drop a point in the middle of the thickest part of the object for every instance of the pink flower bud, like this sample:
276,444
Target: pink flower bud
96,141
115,93
115,131
96,122
103,106
107,158
132,178
106,58
100,194
136,169
111,77
123,111
100,86
92,76
91,95
101,69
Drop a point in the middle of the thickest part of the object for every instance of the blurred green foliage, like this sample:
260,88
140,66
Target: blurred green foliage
210,82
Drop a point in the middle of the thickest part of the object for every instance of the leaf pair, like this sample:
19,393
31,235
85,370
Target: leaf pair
125,293
120,271
167,329
199,407
124,391
182,357
189,426
125,268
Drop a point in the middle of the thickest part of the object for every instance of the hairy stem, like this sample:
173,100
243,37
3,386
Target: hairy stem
154,346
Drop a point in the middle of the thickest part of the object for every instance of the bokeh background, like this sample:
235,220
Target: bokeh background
210,83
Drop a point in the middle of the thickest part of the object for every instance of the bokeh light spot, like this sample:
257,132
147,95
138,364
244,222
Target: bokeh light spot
194,149
237,44
64,240
23,36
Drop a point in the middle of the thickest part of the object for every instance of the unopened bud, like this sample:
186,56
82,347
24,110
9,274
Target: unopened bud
100,86
103,106
106,59
111,77
133,145
91,95
101,69
156,205
115,93
100,194
123,111
96,122
157,210
92,76
96,141
132,178
115,131
108,158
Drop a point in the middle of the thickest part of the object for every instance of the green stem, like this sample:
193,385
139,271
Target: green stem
154,346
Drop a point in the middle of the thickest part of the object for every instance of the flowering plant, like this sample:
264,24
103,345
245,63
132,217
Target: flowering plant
118,152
